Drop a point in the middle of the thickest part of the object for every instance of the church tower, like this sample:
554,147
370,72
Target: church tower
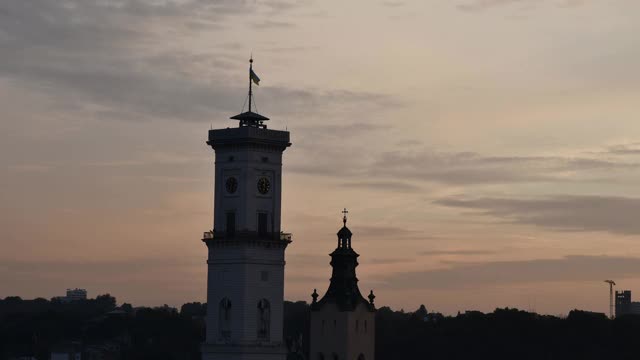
343,321
245,286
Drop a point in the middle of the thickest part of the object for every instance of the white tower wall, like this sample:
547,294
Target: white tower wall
245,288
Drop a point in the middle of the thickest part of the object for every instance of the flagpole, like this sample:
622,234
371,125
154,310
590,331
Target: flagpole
250,90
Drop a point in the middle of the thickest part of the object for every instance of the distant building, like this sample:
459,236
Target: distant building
624,305
73,295
343,321
76,294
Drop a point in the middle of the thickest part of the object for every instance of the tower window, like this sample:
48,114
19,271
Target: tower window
365,326
231,224
264,319
224,318
357,325
262,224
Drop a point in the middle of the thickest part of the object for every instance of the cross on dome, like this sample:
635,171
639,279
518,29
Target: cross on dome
344,216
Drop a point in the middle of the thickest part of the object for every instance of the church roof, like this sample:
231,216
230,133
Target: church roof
343,289
344,233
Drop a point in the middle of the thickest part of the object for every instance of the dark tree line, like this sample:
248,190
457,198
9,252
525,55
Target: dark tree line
34,327
505,334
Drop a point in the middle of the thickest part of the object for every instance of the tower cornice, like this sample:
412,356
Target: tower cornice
243,136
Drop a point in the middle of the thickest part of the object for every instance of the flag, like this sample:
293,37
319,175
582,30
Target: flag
254,77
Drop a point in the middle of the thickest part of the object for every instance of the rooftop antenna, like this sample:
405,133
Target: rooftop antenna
611,285
250,79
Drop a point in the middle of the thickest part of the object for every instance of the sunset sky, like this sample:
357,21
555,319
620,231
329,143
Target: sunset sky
488,151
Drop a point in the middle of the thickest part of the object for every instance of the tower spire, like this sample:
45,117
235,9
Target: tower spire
249,118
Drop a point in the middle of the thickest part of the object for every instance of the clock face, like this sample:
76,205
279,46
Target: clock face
231,184
264,185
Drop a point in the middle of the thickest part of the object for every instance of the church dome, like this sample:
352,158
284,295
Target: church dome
344,233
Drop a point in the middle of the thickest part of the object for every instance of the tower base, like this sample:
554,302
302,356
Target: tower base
243,352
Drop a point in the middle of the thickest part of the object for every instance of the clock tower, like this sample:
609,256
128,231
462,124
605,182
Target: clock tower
245,286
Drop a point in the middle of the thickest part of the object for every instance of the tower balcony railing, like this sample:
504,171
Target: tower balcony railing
210,235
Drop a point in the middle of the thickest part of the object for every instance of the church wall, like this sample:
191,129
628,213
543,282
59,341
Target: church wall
361,339
330,338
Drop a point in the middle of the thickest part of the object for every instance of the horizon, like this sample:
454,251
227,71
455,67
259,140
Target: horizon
119,305
486,150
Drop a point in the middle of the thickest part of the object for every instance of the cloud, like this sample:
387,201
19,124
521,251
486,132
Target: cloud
398,186
465,168
612,214
477,5
306,279
30,168
455,252
499,273
271,24
421,166
307,259
105,54
315,102
624,149
99,267
480,5
388,261
387,233
278,7
112,59
99,272
393,4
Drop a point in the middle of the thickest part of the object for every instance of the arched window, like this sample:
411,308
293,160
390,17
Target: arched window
361,357
224,318
264,319
365,326
357,325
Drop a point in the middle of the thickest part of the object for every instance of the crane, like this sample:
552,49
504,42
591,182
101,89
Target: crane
611,285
